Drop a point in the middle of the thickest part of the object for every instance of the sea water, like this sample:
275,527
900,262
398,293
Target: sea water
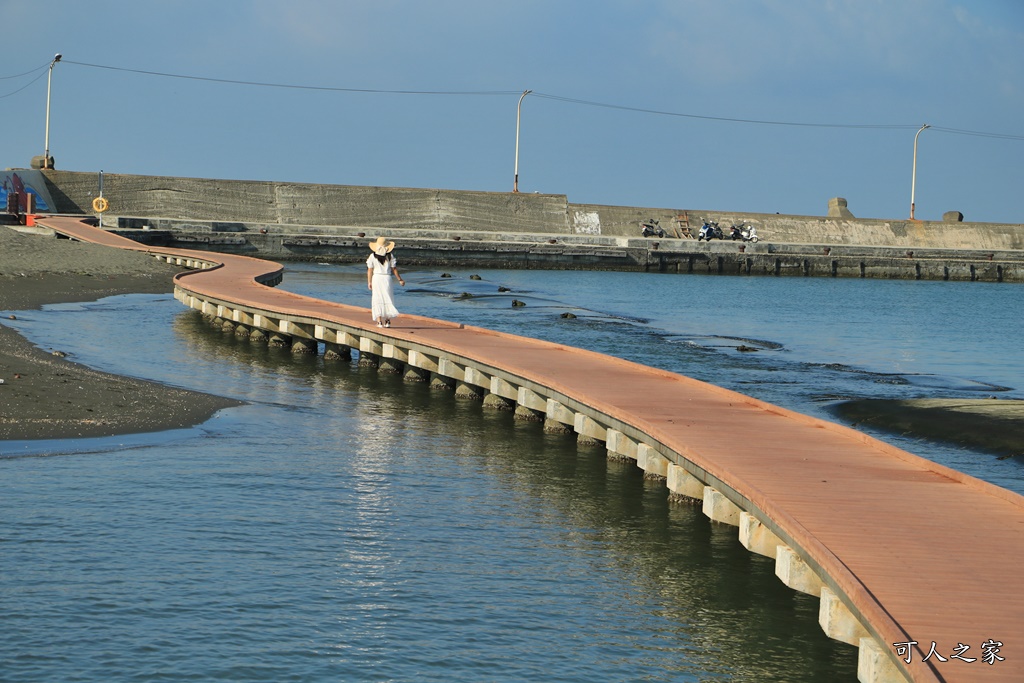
344,525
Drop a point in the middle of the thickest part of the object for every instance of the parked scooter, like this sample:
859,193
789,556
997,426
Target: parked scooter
651,228
747,233
710,231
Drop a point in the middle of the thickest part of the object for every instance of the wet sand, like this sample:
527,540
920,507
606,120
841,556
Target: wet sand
45,395
987,424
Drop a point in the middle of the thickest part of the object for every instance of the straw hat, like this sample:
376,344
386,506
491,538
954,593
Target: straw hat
381,246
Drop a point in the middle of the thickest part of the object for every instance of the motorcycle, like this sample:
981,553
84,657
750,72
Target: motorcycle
709,231
651,228
747,233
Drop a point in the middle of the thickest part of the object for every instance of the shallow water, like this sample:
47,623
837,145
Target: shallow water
345,525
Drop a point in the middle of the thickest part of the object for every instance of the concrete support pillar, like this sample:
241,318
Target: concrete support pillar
874,664
442,382
477,379
505,389
334,351
795,573
683,485
451,369
492,400
370,347
653,463
589,431
389,366
396,353
556,427
719,508
368,360
422,361
346,339
265,323
298,330
555,411
228,326
837,621
279,339
414,374
259,335
756,537
558,418
620,446
301,346
528,414
532,400
242,330
468,391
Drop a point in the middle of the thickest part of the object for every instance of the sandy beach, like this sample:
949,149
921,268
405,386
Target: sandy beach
45,394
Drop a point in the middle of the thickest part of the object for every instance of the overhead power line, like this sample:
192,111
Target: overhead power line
557,98
41,69
30,71
719,118
293,86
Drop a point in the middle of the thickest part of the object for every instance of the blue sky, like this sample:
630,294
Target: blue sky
866,73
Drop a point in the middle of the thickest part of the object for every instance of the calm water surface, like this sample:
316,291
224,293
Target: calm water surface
347,526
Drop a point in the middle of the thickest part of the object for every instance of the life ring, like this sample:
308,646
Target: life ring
100,204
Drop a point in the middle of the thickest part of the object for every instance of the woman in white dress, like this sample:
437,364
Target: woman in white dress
379,267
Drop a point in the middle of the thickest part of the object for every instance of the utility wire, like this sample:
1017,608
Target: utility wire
557,98
956,131
298,87
15,92
721,118
38,68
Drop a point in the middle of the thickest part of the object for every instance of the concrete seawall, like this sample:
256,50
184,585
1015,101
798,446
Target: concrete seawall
279,220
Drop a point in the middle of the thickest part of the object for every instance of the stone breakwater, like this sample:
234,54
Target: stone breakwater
287,221
524,250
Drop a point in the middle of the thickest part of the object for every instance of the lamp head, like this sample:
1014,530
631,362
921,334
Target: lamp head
57,57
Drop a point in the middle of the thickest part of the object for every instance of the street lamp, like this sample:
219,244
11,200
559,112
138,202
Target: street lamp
913,179
519,107
46,154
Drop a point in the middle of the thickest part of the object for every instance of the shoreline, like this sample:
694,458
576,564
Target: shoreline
47,396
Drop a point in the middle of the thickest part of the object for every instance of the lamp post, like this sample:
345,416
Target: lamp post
519,108
913,178
49,77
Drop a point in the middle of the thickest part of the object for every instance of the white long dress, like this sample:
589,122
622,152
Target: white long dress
383,301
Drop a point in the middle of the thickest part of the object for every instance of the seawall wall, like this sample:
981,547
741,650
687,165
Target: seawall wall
332,223
380,208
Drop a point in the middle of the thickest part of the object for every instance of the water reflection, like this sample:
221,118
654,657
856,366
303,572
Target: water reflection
346,524
697,598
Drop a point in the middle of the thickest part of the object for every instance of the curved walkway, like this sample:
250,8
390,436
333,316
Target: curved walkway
899,549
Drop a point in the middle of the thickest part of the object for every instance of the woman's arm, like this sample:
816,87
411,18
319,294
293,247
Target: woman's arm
369,278
394,269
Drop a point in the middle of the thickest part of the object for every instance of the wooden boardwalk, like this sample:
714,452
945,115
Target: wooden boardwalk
899,548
